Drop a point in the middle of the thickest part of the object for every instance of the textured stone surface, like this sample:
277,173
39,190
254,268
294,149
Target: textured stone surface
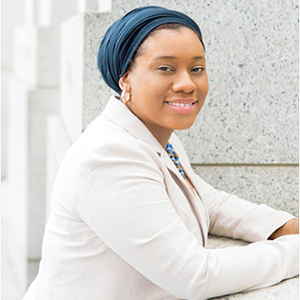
251,113
36,55
276,186
287,289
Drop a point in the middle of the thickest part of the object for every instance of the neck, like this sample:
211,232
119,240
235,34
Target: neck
162,139
161,134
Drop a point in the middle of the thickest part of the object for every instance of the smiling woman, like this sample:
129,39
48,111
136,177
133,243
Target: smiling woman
130,218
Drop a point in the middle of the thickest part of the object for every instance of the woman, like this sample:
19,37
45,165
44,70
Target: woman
129,217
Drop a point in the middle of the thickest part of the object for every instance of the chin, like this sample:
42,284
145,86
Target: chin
184,125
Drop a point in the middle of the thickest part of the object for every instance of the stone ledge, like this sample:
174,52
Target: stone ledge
287,289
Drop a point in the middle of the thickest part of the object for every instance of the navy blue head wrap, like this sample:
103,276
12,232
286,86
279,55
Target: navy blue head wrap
123,38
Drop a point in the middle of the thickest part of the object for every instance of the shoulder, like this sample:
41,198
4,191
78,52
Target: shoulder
105,141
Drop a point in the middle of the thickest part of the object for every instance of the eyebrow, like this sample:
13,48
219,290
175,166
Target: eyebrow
174,57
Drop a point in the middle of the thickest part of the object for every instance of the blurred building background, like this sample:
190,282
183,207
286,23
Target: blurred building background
245,140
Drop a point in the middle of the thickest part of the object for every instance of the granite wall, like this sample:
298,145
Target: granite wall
248,127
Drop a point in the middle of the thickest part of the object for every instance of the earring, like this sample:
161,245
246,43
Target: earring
126,96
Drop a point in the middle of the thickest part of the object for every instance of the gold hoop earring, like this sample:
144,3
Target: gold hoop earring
126,96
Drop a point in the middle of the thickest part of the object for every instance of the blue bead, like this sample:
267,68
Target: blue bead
175,158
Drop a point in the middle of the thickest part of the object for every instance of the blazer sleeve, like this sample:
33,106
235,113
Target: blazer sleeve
237,218
232,216
120,193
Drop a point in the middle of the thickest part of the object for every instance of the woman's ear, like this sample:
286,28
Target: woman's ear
124,82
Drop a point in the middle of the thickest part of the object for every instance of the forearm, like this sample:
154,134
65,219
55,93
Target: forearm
237,218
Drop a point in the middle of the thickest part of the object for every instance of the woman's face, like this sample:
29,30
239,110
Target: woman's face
168,81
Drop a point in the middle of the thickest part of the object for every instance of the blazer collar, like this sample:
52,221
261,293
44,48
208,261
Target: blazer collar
120,114
117,112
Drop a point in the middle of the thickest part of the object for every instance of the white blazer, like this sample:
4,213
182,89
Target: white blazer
125,225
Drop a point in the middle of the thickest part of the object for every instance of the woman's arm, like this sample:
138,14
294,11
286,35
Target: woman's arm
290,227
120,193
240,219
234,217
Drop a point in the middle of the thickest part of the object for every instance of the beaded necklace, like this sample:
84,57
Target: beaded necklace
175,158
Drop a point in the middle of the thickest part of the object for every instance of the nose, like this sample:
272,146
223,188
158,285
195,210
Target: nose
184,83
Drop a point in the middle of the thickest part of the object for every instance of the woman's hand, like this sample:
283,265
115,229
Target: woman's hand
290,227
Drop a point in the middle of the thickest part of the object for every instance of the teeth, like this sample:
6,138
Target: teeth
180,104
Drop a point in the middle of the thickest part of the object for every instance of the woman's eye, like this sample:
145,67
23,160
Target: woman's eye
198,69
163,68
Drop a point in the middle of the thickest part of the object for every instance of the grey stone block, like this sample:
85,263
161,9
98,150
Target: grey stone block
251,113
276,186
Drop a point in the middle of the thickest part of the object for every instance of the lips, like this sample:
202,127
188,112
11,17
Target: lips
182,106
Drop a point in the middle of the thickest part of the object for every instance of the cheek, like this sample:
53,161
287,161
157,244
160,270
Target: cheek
203,87
150,88
141,84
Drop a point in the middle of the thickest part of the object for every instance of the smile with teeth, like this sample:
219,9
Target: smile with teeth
180,104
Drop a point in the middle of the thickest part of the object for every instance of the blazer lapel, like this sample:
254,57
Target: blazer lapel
120,114
188,171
